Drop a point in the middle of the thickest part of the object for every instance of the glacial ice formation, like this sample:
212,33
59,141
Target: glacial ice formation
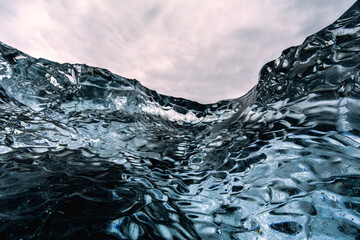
87,154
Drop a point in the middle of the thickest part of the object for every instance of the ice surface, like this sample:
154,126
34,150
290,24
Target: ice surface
87,154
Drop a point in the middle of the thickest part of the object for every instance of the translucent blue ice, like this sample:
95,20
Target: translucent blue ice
87,154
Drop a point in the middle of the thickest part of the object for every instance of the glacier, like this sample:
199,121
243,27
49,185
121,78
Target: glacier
88,154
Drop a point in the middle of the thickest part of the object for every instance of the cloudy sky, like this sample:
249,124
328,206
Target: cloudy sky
204,50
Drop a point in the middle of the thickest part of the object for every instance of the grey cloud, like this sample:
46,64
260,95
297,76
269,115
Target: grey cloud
151,14
202,50
315,15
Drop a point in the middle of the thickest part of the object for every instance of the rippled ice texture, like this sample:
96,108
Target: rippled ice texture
85,153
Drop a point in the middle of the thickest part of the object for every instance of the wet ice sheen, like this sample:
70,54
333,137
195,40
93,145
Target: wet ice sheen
85,153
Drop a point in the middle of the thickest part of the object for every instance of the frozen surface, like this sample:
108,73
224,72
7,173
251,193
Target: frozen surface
85,153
